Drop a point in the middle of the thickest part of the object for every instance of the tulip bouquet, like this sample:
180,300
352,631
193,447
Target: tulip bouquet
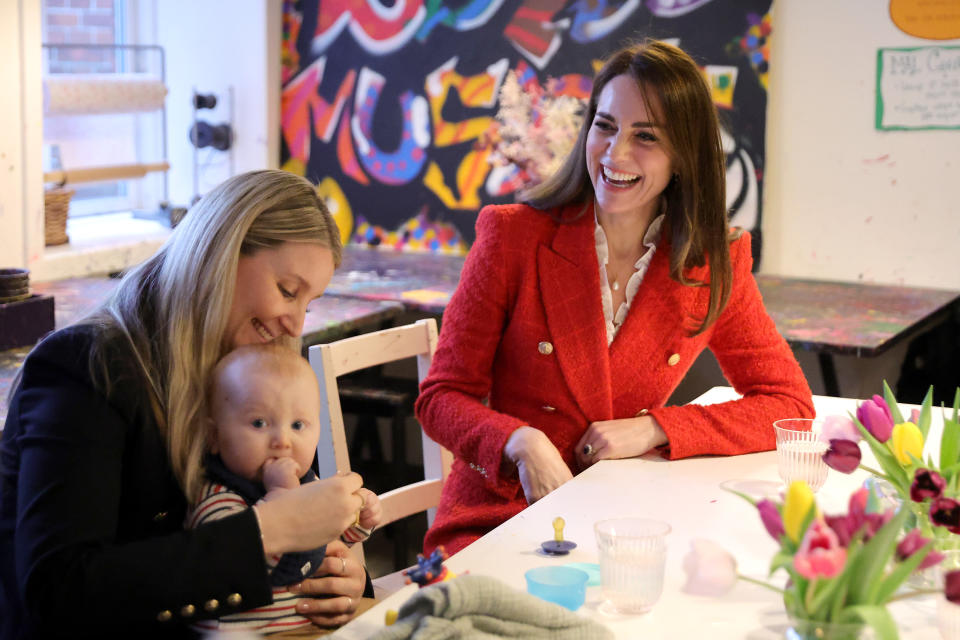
928,486
843,569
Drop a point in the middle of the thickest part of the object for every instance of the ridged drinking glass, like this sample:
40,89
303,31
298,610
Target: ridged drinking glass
800,451
632,556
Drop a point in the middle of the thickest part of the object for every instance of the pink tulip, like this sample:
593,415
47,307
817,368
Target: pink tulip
711,570
820,554
874,414
926,484
839,428
843,455
771,518
915,416
912,543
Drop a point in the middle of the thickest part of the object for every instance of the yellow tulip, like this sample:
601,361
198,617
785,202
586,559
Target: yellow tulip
906,440
796,506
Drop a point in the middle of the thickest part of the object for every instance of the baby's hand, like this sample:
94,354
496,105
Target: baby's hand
372,511
281,473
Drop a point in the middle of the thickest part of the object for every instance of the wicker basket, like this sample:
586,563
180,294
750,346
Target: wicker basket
56,206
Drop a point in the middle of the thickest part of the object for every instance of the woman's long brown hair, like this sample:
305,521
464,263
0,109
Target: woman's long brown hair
696,197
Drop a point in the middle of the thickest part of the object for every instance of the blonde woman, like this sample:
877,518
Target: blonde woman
103,445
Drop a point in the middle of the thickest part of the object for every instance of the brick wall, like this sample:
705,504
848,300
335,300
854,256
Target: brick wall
80,22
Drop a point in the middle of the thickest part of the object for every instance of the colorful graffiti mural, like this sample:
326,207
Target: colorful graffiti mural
388,104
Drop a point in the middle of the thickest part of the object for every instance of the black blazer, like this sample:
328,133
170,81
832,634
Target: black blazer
91,517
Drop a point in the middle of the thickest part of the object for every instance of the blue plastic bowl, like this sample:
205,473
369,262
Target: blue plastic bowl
565,586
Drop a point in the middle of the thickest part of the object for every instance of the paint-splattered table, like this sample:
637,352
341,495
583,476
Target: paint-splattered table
328,318
850,318
419,281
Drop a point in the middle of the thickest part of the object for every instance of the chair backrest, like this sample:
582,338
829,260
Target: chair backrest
335,359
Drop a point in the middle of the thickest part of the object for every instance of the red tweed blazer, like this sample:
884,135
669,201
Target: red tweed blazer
530,281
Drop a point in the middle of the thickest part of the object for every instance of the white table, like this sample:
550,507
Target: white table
687,495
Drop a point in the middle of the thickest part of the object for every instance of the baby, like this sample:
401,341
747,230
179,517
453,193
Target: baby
264,406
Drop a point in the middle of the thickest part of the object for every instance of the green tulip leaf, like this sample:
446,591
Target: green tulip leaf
868,566
781,560
826,596
925,413
949,443
956,404
891,401
885,589
877,617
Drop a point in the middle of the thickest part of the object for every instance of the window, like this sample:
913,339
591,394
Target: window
89,44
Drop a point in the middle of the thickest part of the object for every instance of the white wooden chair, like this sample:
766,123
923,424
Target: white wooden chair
329,361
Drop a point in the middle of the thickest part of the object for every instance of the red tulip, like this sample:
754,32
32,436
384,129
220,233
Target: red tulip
926,484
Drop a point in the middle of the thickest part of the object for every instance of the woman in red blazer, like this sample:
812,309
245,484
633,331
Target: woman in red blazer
578,313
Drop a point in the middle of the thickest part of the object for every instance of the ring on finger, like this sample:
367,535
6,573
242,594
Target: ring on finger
588,449
356,521
343,565
363,502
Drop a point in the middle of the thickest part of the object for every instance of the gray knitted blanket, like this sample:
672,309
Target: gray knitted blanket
477,607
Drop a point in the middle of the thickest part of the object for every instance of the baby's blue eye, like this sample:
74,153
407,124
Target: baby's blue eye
259,423
298,425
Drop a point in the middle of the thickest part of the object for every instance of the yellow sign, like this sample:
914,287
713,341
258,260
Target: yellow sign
931,19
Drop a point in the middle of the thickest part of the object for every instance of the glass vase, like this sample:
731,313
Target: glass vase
943,541
801,629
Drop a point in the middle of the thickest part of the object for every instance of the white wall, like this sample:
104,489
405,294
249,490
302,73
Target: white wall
212,46
21,187
844,201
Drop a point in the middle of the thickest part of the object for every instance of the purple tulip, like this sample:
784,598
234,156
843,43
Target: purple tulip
926,484
913,542
945,512
874,414
843,455
771,518
951,586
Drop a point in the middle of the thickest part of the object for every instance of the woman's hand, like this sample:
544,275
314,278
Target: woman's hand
309,516
339,583
540,466
625,438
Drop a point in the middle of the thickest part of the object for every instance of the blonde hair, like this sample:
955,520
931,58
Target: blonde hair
172,310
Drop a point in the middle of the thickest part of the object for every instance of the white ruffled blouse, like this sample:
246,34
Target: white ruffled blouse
650,239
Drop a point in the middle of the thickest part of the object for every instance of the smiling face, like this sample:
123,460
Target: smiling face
628,157
265,405
273,289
